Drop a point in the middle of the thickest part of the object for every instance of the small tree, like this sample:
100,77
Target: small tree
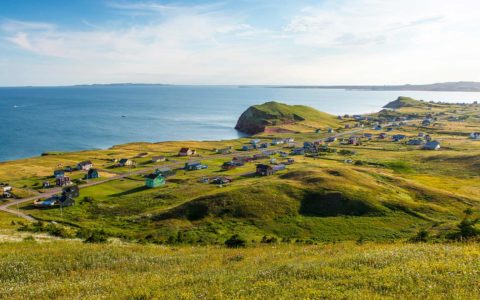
467,228
422,236
235,241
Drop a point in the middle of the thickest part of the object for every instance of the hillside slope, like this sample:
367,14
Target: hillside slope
259,117
401,102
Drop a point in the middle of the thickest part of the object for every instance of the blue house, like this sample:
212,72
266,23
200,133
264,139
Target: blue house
298,151
92,174
195,165
247,147
58,173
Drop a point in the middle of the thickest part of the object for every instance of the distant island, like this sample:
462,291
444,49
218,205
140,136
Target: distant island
460,86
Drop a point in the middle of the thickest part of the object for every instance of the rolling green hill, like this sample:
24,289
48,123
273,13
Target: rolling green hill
405,102
274,114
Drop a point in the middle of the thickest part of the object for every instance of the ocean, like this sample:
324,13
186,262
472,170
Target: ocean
41,119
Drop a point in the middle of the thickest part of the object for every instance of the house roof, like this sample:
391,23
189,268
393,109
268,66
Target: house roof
124,160
184,150
431,145
153,176
84,163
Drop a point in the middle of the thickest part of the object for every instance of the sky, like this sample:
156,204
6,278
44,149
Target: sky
301,42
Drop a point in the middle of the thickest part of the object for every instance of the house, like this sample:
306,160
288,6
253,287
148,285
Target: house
6,191
58,173
85,165
353,141
389,129
269,152
154,180
368,135
141,155
331,139
264,145
160,158
227,150
66,201
229,165
330,130
194,165
165,172
186,152
248,147
63,181
415,142
221,180
283,154
266,170
426,122
71,191
378,127
308,145
298,151
46,184
125,162
289,161
255,141
277,142
382,135
475,135
433,145
399,137
289,140
242,159
92,174
49,202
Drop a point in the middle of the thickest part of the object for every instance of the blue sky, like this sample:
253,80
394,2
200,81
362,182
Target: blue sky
52,42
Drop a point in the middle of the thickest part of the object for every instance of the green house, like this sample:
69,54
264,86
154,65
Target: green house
154,180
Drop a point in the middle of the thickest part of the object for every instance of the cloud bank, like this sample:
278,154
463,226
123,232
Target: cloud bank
334,42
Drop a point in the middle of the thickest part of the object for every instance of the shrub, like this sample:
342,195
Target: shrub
235,241
467,228
96,236
421,236
269,239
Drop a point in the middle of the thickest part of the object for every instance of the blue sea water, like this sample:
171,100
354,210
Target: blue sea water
40,119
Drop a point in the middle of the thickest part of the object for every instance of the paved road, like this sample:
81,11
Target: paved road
54,191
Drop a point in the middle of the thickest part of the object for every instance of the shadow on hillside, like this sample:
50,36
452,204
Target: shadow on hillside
331,204
132,191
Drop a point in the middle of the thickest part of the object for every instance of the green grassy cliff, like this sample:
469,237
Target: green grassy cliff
270,114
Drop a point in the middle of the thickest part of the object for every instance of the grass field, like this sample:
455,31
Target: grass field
381,190
73,270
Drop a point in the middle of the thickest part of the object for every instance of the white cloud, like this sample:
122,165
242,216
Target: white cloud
338,42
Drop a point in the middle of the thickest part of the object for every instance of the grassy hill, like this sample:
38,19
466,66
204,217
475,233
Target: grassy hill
379,190
258,118
401,102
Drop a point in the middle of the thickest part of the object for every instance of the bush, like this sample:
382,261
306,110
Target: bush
235,241
269,239
421,237
467,228
96,236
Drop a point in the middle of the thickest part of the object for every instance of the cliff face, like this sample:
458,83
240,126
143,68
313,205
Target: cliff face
252,121
257,118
